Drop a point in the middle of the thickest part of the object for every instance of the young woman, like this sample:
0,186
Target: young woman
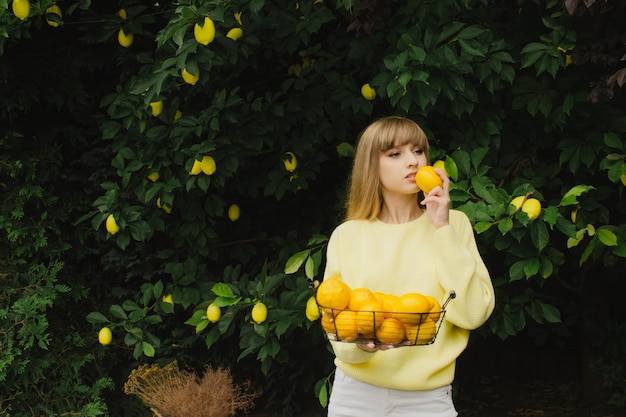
397,240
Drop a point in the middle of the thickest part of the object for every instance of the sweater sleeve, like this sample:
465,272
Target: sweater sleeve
461,268
346,352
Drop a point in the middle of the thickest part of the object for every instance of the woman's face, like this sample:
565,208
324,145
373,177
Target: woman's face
397,168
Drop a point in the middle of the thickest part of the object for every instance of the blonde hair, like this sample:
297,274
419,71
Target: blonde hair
365,199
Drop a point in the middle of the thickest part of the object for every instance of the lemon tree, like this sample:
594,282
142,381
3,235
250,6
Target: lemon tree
267,116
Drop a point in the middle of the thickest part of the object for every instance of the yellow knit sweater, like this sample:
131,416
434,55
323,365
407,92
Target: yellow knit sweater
413,257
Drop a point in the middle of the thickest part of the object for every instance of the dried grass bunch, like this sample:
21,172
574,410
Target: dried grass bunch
172,392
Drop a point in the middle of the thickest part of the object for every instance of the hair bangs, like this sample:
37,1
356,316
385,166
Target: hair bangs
396,132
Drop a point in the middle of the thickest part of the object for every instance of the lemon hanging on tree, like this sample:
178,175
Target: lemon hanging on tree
204,33
235,33
259,313
125,39
156,107
213,313
233,212
105,336
21,9
54,9
190,78
368,92
312,310
111,225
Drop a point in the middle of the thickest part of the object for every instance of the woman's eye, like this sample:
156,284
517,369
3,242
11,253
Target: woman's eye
394,154
418,151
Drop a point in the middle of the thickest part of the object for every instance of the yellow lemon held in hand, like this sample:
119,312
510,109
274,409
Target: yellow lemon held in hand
291,162
189,78
312,310
442,166
208,165
105,336
259,313
125,39
122,14
206,33
410,307
111,225
234,34
213,313
368,92
333,293
21,9
391,331
234,212
54,9
532,207
168,299
157,107
427,179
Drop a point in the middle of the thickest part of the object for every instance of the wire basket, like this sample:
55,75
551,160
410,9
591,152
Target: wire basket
383,327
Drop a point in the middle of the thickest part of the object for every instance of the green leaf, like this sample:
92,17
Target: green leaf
196,318
309,268
607,237
202,325
516,271
505,225
97,318
539,235
222,290
550,313
148,349
531,267
613,140
571,196
346,150
117,311
295,261
481,227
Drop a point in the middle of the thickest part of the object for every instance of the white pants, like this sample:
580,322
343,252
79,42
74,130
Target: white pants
352,398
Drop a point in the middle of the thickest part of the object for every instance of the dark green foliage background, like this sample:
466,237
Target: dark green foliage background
491,82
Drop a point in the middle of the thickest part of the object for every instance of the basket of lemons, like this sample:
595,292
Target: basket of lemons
360,315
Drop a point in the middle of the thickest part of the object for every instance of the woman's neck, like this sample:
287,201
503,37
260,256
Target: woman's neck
400,211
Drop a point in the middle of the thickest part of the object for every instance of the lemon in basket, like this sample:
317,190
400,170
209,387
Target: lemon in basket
391,331
388,301
369,317
410,307
333,293
435,308
421,334
328,323
359,297
345,323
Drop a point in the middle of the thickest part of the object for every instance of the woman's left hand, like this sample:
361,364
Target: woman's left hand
437,202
